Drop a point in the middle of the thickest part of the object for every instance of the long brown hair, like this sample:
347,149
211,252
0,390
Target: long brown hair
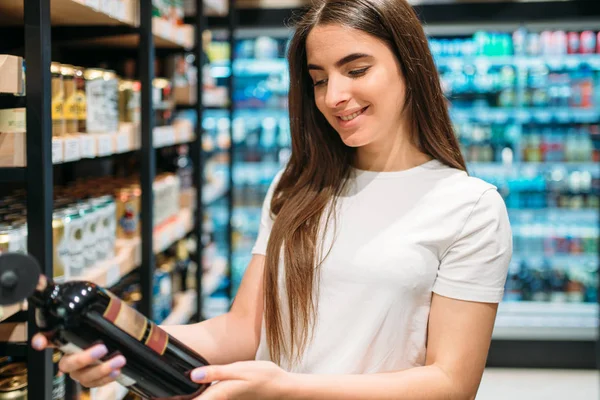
320,162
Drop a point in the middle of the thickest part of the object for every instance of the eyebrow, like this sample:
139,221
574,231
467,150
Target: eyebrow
345,60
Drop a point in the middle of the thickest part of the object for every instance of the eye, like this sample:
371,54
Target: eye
320,83
358,72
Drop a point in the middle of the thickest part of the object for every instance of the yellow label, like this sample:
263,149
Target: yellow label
71,107
58,103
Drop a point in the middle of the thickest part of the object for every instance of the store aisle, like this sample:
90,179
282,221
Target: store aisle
537,384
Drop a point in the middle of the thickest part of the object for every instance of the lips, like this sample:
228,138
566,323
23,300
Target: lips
350,117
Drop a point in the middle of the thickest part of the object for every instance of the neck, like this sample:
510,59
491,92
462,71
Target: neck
394,152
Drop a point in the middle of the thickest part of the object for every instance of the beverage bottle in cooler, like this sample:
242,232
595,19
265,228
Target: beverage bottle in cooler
185,167
75,315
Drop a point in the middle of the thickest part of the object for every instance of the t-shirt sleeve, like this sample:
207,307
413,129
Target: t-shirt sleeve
266,219
475,266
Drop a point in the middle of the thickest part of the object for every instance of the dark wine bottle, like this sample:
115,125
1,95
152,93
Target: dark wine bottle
76,315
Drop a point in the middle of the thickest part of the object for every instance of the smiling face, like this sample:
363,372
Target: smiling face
358,85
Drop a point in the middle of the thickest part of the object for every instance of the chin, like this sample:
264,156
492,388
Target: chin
354,140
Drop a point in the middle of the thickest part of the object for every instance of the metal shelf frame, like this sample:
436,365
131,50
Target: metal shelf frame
38,176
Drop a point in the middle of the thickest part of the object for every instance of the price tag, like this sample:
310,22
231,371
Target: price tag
562,115
57,151
169,136
72,151
180,36
88,146
113,274
542,116
123,144
105,145
179,230
522,116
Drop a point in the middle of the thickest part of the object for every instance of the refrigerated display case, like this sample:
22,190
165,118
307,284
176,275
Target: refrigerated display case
525,104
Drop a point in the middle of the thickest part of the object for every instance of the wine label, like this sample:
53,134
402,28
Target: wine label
70,348
136,325
126,318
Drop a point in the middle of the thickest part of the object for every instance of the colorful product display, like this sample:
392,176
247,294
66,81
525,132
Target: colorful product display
525,106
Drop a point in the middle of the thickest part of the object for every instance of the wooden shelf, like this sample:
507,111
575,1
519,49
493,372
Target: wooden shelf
75,12
10,310
185,308
80,146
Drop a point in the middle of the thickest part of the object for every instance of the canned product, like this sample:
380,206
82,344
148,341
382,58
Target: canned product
70,108
13,369
71,248
89,220
80,98
11,239
94,93
13,388
59,228
128,212
107,225
58,99
111,98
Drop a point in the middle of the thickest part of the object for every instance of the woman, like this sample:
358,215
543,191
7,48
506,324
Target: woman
393,259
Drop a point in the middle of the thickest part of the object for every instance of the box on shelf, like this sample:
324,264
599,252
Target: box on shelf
13,120
11,74
13,150
185,95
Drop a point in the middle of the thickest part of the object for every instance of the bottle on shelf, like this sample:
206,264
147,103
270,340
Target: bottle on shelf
77,314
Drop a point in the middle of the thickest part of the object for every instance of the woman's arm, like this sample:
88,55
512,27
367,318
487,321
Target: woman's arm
459,336
235,335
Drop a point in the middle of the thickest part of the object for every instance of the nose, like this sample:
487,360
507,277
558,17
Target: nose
337,93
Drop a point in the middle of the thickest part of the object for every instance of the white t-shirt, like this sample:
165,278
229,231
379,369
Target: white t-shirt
400,236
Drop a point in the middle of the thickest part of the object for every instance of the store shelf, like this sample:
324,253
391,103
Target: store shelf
166,36
76,147
569,61
10,310
213,192
249,67
75,12
584,214
531,168
13,332
526,115
128,251
547,321
185,308
583,260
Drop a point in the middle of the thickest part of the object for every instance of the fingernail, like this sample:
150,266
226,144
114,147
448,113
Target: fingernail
37,343
99,351
117,362
114,374
198,374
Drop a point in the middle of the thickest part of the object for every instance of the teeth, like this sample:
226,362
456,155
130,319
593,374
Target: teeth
351,116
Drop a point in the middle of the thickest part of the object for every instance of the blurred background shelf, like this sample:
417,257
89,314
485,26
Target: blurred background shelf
76,12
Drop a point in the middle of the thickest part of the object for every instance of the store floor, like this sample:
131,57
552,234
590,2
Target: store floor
535,384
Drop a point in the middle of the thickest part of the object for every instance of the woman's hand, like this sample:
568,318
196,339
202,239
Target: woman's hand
247,380
86,367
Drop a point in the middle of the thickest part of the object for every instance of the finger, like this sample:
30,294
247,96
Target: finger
74,362
104,380
213,373
39,342
223,390
99,372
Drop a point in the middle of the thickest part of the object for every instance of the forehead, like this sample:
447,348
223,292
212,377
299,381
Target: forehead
326,44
